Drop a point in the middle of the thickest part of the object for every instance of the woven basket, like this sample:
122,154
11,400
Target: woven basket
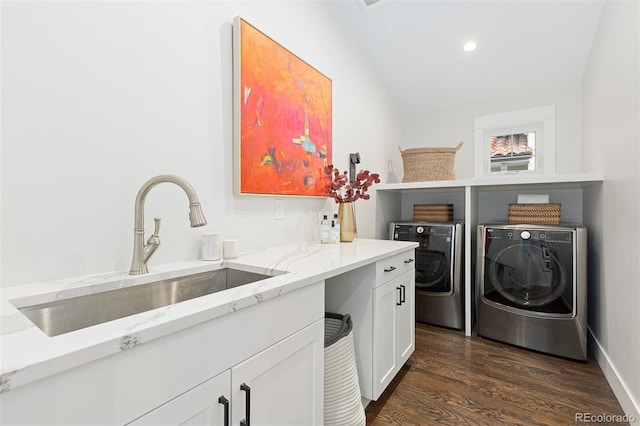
433,212
424,164
537,214
342,398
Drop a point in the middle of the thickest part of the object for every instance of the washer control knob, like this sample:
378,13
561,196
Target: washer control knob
525,235
420,230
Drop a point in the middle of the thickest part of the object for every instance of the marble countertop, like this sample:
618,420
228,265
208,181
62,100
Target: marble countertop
28,354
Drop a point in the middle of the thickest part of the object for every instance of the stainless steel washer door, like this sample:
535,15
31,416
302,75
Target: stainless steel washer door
432,269
527,274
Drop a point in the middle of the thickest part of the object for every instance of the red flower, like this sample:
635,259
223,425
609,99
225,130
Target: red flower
342,191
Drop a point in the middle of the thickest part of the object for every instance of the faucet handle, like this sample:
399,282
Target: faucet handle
153,242
154,239
156,230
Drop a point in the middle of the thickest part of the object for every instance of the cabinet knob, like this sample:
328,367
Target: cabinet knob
390,268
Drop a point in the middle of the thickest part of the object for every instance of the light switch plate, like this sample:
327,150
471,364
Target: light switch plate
278,211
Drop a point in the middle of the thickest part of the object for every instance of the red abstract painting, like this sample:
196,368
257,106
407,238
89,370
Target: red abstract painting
283,109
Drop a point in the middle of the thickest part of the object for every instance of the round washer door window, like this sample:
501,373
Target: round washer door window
527,275
431,271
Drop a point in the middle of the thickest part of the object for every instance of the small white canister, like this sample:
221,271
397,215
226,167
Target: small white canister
231,249
211,246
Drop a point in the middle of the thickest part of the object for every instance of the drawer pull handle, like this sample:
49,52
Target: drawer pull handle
399,297
390,268
403,293
224,401
247,408
408,261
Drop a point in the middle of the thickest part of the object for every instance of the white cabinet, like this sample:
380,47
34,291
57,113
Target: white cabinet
394,266
277,386
205,405
381,301
393,329
406,317
272,346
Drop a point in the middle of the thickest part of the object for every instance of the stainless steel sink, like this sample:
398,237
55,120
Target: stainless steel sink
63,316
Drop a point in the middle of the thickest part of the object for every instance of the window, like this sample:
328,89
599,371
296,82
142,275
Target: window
520,141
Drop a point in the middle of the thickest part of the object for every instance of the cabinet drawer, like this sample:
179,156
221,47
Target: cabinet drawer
394,266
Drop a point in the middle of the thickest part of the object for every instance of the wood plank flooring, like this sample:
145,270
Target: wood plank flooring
452,379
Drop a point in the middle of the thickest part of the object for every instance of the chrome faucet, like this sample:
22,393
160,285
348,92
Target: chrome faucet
141,251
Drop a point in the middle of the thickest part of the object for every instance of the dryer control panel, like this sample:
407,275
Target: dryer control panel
547,235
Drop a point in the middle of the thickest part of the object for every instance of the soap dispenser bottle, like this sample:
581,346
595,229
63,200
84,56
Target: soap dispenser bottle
335,233
337,221
325,231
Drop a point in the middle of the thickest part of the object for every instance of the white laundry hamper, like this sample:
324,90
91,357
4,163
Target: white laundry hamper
342,403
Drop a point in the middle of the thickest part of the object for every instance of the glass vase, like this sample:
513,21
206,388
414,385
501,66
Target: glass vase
347,218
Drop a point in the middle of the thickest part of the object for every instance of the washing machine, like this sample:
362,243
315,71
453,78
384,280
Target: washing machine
439,291
532,289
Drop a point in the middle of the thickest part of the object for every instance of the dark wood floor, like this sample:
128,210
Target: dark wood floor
452,379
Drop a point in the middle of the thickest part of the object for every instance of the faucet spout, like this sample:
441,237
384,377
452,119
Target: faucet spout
196,216
142,252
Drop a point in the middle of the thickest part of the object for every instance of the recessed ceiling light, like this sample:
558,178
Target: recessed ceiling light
469,46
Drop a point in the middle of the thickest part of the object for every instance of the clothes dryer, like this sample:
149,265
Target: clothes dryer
532,287
439,291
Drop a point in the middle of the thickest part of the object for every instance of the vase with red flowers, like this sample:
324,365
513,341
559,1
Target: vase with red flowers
346,193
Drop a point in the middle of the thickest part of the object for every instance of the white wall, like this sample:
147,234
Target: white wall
98,97
447,127
611,144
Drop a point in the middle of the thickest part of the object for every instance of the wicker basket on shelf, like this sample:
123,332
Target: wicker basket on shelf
537,214
433,212
431,163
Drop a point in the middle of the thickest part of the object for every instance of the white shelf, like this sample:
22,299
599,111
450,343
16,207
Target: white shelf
501,181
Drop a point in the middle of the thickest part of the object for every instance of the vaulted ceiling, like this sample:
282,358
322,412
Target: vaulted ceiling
522,46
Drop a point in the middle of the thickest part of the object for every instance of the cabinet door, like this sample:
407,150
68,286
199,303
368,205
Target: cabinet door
202,405
394,329
406,317
284,384
385,361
